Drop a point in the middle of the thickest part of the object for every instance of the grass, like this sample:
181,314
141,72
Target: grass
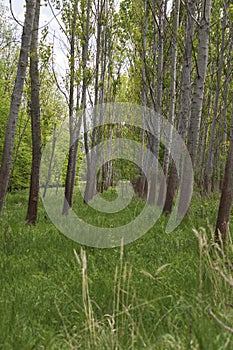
163,291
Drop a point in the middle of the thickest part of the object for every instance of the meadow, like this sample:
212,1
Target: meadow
163,291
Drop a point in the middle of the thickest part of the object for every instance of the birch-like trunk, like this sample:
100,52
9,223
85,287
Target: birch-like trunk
227,195
141,181
104,46
176,10
154,141
90,178
16,100
210,162
176,14
226,101
162,13
197,100
70,174
200,79
185,104
51,160
35,122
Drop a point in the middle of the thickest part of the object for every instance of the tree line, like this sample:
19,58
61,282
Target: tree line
174,57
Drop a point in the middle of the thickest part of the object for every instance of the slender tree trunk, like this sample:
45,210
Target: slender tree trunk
215,174
200,79
77,131
35,122
185,107
204,132
51,159
70,174
162,13
17,148
176,10
155,140
225,102
197,100
141,181
89,178
202,148
16,100
210,165
97,64
104,42
227,195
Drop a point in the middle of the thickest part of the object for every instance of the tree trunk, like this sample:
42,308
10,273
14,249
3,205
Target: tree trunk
141,181
17,148
225,103
16,100
185,107
197,99
176,10
89,178
35,123
200,79
162,13
70,174
51,159
104,44
155,141
210,162
227,195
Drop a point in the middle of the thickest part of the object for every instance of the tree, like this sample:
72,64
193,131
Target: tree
185,98
220,60
200,79
226,200
35,122
16,100
71,167
197,97
173,78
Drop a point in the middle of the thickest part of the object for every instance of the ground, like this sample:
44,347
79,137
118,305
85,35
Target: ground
155,293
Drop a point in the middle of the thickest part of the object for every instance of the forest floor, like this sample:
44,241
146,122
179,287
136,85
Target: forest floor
163,291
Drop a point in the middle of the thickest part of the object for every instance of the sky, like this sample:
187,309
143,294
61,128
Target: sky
18,7
46,17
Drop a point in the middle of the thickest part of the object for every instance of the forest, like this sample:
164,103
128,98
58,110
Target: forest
116,174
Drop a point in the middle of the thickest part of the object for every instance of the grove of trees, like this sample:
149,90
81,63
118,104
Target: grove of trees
174,57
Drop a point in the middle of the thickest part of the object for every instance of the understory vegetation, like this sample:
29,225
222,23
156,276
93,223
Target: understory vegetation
163,291
130,97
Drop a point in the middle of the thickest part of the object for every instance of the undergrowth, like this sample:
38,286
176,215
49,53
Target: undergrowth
163,291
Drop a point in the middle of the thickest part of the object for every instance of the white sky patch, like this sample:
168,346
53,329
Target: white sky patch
55,36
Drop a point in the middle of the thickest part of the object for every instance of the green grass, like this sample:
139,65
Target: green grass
155,293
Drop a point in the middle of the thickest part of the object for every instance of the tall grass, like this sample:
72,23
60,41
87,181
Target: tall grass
218,262
164,291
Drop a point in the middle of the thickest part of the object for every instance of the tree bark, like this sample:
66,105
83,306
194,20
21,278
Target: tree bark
35,122
51,159
227,195
71,173
197,99
185,104
210,160
90,178
176,10
200,79
154,141
16,100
